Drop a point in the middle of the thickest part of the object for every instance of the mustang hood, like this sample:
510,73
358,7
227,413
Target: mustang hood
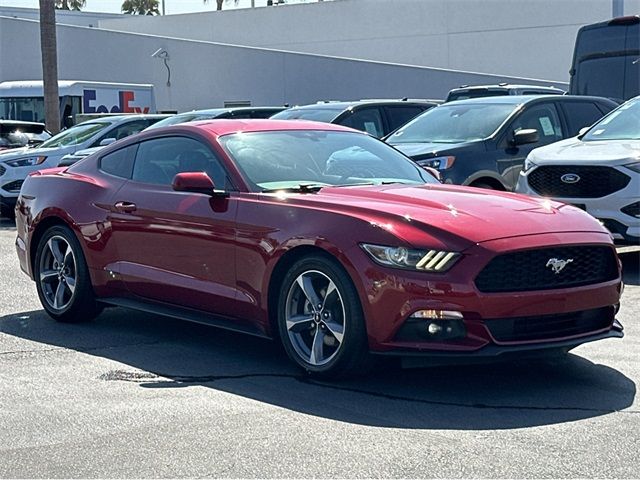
573,151
461,214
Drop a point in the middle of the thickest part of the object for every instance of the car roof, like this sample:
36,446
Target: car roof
113,119
343,105
506,86
521,99
225,126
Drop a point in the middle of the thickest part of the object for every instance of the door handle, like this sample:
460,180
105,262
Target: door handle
125,207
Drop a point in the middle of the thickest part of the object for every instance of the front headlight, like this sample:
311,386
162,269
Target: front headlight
26,161
635,166
440,163
410,259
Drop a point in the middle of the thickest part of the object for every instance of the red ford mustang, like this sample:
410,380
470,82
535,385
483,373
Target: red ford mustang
318,235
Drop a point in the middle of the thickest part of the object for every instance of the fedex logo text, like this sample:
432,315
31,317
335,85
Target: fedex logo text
104,101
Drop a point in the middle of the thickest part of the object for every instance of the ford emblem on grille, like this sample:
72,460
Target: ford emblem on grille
570,178
558,265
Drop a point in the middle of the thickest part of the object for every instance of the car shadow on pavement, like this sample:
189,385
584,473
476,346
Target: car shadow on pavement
162,353
7,223
631,267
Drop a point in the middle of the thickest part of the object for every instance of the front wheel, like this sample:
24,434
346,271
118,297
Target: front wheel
62,277
320,319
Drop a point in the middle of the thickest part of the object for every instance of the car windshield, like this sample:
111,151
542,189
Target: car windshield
75,135
454,123
184,118
621,124
314,158
320,114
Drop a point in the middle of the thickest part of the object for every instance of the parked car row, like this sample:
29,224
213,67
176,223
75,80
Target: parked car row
481,142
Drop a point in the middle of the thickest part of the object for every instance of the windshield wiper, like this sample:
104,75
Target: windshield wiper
302,188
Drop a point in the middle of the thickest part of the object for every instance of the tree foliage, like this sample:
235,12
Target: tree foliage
70,4
141,7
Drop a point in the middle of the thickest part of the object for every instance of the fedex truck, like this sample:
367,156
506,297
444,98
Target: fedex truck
24,100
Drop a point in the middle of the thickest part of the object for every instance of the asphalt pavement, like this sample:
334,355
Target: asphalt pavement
137,395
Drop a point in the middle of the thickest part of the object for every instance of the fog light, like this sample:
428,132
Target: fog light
433,325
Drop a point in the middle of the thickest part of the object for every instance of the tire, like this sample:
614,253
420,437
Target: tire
329,339
62,277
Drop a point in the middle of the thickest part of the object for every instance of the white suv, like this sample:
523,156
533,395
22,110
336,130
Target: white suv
598,171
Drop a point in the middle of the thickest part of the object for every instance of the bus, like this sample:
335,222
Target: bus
24,100
606,59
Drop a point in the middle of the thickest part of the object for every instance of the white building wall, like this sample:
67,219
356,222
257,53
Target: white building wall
205,74
67,17
526,38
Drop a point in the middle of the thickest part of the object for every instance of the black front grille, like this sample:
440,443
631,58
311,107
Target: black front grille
594,182
13,186
2,170
545,327
534,269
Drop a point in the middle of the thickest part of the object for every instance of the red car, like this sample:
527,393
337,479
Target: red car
318,235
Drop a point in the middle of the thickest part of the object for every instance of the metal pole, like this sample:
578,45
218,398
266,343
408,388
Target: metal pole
617,8
163,7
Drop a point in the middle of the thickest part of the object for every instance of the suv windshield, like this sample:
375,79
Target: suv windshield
294,159
320,114
621,124
454,123
75,135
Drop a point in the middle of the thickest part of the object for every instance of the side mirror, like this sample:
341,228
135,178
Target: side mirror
525,136
196,182
107,141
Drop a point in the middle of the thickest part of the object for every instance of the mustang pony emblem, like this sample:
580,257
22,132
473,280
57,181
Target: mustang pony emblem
558,265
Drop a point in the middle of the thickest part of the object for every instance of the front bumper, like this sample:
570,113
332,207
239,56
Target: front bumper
495,353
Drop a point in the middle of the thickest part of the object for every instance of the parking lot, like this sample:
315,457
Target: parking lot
137,395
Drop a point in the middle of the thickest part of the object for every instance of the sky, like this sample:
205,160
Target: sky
171,6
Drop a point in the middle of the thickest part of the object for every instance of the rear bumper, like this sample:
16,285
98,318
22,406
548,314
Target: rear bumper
498,353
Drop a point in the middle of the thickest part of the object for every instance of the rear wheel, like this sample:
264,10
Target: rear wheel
62,277
320,319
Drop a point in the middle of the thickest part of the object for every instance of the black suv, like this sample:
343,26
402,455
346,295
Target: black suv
376,117
483,142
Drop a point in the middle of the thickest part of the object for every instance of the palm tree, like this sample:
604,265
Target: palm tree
220,2
140,7
49,50
70,4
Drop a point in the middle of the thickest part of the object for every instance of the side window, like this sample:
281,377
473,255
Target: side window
579,115
158,161
120,162
124,130
399,115
366,119
542,117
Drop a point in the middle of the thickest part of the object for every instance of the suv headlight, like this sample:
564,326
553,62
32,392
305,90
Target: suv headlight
635,166
528,165
410,259
440,163
26,161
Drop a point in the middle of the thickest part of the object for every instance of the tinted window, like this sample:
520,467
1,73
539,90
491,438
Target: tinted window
365,119
601,77
579,115
544,118
120,162
401,114
158,161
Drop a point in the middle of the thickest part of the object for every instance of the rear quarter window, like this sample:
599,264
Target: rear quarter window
579,115
120,162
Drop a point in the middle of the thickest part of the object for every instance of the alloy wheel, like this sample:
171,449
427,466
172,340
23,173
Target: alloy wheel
58,273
